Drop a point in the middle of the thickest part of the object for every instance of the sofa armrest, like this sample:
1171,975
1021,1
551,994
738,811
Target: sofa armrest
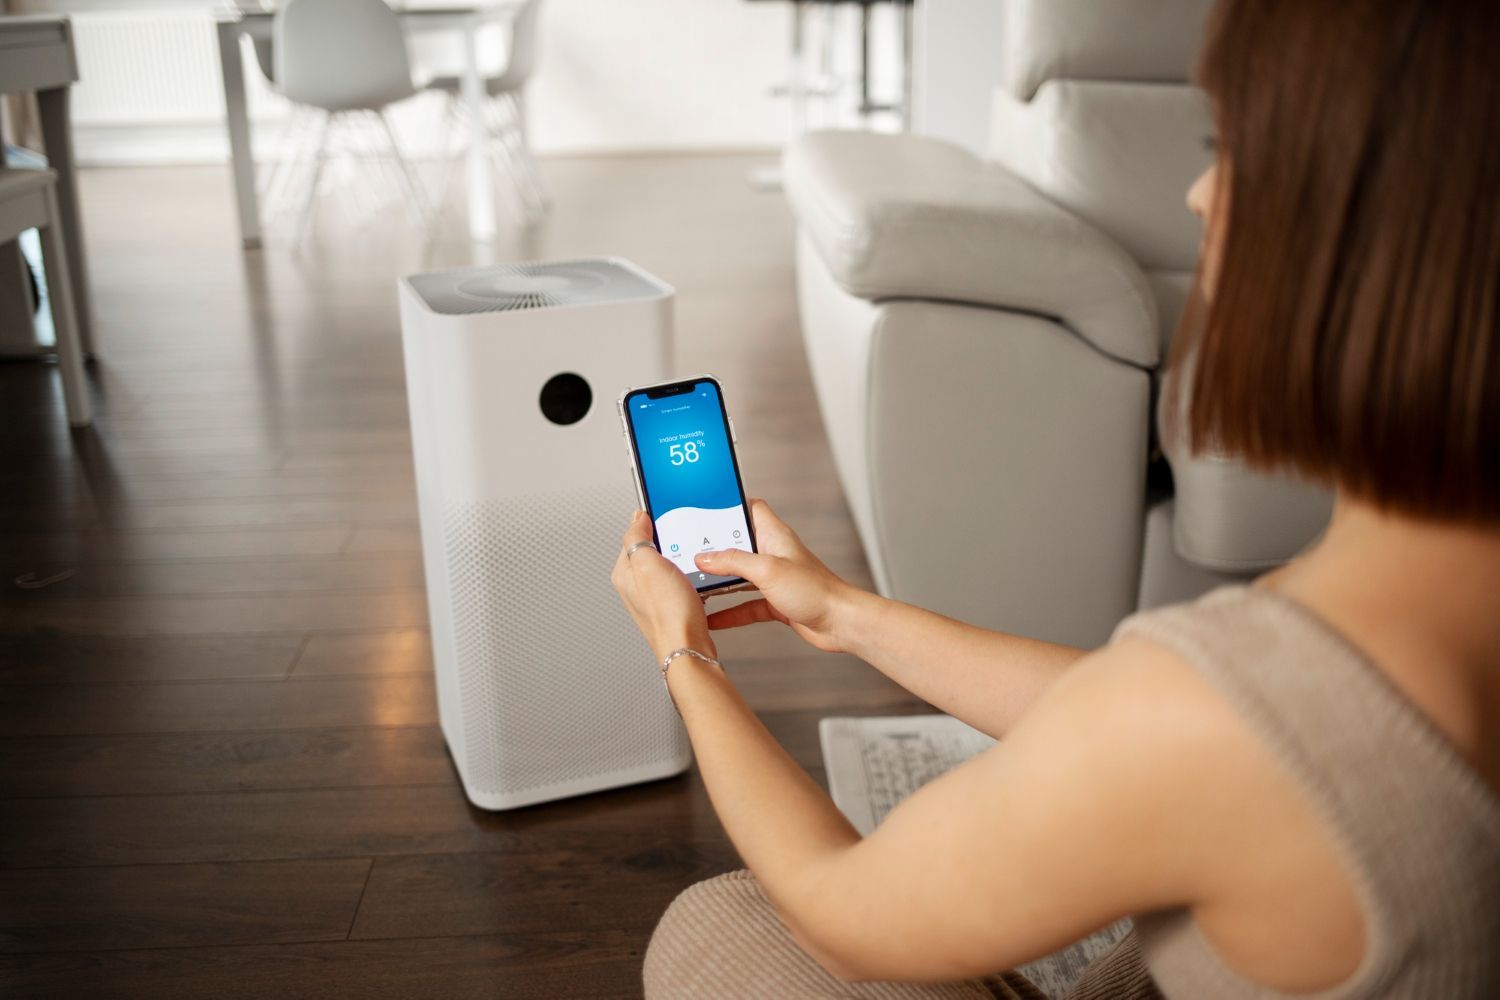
906,217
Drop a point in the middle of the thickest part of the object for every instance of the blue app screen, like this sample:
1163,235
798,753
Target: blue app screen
688,471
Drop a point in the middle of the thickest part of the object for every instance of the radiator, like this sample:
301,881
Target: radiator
145,67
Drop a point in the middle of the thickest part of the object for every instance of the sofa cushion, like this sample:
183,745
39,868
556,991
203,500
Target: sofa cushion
1145,40
907,217
1119,155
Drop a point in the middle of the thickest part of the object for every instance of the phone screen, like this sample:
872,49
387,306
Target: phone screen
690,477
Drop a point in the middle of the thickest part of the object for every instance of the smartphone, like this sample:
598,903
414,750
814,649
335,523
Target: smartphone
687,475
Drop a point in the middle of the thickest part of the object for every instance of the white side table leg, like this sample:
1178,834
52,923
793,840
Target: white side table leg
64,315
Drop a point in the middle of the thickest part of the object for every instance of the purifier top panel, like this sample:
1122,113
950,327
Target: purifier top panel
540,285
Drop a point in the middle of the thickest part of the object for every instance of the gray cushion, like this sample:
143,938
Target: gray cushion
906,217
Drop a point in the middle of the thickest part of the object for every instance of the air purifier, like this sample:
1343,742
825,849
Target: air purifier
545,687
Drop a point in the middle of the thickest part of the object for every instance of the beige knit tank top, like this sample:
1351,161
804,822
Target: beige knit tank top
1418,826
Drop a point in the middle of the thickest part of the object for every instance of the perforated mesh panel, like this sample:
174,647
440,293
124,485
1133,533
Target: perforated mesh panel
557,684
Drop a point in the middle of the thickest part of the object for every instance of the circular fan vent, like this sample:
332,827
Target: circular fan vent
534,285
523,287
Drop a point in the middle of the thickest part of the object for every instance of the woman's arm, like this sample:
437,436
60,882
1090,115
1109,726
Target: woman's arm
987,679
1108,798
780,821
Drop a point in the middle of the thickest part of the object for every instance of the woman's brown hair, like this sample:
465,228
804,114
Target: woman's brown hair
1352,338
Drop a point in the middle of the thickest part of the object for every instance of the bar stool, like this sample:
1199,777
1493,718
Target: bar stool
28,200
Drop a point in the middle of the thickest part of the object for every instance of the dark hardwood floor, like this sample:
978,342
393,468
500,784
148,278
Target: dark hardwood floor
220,770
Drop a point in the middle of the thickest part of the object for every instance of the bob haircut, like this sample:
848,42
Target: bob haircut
1352,337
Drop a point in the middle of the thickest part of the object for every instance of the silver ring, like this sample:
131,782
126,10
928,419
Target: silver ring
631,551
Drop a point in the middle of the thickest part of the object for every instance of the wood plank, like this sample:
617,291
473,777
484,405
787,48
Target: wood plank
540,964
174,763
216,706
281,575
509,891
25,552
360,822
200,615
385,538
390,651
53,659
282,511
65,483
335,823
160,906
345,757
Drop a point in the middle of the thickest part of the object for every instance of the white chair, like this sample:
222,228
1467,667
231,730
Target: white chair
28,200
505,124
348,59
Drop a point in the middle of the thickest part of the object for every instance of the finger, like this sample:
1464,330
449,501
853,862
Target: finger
735,562
768,526
748,613
639,530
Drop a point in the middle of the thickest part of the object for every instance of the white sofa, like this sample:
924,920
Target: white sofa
987,337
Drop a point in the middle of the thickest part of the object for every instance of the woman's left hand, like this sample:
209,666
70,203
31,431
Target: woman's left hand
666,608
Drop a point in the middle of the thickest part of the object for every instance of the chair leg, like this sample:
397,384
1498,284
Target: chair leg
532,208
273,175
310,200
521,135
284,195
503,128
64,317
413,187
447,162
366,148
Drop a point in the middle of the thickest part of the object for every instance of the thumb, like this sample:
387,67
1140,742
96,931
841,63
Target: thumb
735,562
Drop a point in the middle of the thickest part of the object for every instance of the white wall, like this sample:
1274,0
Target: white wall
661,74
958,67
614,75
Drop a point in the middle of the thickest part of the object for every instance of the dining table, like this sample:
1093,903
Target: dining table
461,18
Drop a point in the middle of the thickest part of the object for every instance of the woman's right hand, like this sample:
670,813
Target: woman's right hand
796,588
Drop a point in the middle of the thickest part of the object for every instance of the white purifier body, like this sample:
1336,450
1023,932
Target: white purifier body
545,687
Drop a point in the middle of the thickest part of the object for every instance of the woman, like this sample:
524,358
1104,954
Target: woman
1292,785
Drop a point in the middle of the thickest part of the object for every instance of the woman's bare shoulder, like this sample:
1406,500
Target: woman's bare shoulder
1246,841
1186,758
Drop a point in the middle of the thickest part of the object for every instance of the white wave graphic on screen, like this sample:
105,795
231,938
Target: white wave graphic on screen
687,527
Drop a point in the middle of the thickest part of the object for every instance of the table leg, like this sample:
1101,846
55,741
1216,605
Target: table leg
57,138
798,88
65,316
906,11
864,64
480,183
237,119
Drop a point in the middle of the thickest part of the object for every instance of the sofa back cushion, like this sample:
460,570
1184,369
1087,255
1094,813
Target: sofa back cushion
1144,41
1097,112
